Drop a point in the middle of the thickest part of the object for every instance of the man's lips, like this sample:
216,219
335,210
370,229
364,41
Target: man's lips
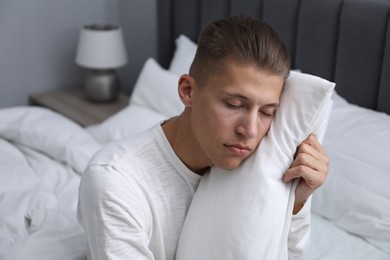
238,149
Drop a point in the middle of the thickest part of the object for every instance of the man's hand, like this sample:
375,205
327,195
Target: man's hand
311,166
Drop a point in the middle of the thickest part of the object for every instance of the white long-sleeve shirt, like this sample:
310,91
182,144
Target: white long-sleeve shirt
134,196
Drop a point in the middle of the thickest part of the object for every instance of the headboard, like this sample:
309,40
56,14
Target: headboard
344,41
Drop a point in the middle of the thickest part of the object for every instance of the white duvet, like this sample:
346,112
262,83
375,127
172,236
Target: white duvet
42,157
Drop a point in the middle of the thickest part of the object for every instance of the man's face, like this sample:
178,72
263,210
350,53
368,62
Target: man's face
232,112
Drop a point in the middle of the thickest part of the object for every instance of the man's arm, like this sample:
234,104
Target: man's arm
112,216
299,233
310,167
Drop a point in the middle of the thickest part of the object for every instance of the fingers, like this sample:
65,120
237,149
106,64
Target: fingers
308,156
312,141
312,147
310,163
312,178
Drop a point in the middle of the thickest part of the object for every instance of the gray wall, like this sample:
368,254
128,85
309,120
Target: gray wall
38,40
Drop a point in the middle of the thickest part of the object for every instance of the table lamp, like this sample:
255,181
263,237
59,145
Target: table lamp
101,49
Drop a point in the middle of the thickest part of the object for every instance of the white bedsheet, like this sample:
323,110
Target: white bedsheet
329,242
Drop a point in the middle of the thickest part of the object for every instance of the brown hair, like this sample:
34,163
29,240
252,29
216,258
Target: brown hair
246,40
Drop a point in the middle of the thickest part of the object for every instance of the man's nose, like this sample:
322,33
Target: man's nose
248,125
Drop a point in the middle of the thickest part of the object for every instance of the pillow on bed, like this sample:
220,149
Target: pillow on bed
183,55
130,120
156,89
223,219
356,194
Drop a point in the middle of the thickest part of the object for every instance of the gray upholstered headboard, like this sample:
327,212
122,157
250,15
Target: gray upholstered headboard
345,41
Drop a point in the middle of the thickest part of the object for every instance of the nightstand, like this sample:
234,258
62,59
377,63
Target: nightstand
73,104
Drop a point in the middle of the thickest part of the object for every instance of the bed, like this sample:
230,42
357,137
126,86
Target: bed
344,41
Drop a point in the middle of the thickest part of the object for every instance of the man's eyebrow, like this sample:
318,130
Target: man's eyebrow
276,105
237,95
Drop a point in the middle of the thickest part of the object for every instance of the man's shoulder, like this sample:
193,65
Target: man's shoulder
128,149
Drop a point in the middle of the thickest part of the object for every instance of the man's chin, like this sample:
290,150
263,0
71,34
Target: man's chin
231,165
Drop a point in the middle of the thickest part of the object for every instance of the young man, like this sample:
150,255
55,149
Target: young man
135,193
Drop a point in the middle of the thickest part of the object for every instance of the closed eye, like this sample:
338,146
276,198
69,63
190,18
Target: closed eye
233,106
268,111
266,114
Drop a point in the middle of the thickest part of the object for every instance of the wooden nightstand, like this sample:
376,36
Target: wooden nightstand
74,104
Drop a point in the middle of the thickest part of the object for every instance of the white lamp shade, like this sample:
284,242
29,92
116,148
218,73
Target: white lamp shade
101,47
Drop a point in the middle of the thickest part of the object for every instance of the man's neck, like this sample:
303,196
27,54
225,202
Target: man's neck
180,136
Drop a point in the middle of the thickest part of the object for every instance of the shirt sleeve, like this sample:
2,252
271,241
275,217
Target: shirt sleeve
113,217
299,234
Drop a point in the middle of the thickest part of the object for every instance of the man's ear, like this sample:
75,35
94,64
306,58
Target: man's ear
185,89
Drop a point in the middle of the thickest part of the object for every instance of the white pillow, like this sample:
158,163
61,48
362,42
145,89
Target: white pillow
130,120
356,195
157,89
246,213
183,56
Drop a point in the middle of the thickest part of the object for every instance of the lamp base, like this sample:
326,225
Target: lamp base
102,85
